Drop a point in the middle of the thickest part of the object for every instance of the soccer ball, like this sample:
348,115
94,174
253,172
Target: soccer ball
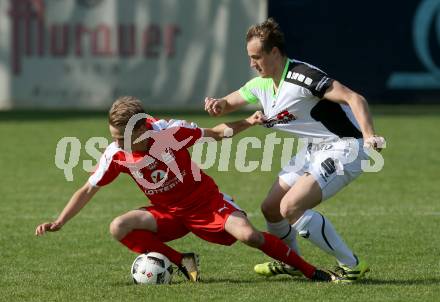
151,268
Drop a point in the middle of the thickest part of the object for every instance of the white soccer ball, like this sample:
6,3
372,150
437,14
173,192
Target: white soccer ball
151,268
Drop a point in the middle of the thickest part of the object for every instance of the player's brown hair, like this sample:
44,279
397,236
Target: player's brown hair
270,34
123,109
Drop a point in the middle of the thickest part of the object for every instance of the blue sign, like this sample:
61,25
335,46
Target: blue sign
427,16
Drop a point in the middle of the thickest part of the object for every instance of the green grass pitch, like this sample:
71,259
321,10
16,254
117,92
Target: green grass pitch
391,218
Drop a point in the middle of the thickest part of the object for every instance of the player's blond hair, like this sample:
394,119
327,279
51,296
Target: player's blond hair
123,109
270,35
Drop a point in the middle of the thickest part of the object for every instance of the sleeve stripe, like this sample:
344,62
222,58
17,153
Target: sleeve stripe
104,164
321,83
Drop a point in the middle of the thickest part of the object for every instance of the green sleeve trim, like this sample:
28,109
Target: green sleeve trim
249,89
283,77
247,95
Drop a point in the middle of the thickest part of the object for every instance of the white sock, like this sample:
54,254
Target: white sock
318,229
283,230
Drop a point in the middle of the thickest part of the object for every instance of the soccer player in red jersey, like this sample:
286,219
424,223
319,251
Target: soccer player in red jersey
183,198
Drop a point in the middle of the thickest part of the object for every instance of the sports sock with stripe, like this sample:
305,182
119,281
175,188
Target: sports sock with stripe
277,249
283,230
318,229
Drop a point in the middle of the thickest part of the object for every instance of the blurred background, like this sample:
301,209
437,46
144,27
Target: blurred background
85,53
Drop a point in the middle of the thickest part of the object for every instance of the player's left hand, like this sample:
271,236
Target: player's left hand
257,118
375,142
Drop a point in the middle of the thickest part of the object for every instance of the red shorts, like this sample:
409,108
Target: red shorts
208,222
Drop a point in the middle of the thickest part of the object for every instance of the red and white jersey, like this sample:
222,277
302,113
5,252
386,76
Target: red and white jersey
165,173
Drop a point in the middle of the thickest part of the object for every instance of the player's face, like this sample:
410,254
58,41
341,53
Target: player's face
263,62
117,136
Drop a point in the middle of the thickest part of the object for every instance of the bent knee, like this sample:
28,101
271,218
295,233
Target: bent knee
119,228
291,211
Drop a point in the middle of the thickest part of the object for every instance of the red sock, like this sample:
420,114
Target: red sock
277,249
142,241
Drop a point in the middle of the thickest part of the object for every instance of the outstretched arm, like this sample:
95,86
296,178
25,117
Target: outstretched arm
78,200
232,128
229,103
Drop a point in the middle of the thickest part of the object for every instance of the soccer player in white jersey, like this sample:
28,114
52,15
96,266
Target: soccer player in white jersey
303,100
183,198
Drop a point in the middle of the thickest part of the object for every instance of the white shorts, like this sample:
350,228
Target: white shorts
333,164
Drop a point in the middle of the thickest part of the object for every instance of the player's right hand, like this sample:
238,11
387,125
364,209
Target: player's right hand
47,227
214,107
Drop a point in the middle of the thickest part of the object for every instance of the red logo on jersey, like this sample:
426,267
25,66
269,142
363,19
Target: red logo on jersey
284,117
163,142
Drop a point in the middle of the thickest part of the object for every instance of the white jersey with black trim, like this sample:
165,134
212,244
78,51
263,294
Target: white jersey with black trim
298,106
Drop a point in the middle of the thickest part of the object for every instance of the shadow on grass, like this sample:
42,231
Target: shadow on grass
226,280
428,281
249,281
